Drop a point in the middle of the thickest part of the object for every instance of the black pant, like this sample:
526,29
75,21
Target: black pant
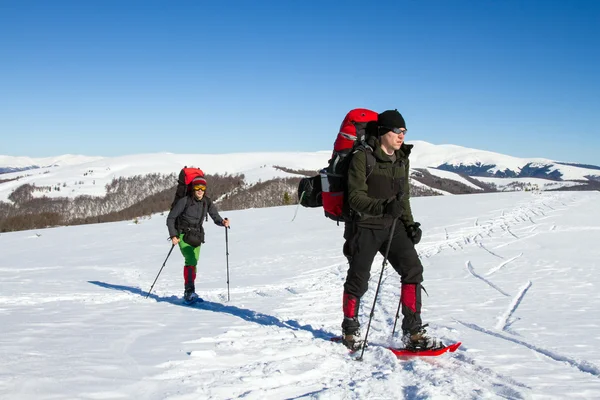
361,247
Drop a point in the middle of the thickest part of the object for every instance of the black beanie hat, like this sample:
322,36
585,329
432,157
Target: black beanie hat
390,119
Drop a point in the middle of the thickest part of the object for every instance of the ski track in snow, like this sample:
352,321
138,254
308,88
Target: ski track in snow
469,235
486,249
507,229
472,271
504,318
583,366
501,265
515,241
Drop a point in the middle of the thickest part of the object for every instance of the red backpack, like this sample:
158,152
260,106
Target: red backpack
186,176
329,188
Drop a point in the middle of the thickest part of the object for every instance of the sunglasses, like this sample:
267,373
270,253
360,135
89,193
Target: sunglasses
200,187
397,131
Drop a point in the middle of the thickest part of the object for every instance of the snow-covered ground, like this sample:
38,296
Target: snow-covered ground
514,276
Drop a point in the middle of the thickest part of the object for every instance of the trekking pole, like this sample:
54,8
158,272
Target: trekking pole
387,250
227,258
161,268
397,314
298,206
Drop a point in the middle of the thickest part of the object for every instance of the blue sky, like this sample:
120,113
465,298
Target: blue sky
123,77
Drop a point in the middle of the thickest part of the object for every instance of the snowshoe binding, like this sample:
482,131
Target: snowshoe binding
420,340
189,297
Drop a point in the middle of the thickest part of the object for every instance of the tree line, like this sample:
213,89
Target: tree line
134,197
143,195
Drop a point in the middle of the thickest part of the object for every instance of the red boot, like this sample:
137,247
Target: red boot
189,276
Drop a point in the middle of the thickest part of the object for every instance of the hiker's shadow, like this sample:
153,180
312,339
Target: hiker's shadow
243,313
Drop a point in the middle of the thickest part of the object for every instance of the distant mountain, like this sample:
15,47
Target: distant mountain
588,166
481,163
69,189
73,175
530,170
16,164
6,170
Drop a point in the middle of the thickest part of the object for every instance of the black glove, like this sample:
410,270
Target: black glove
414,232
394,208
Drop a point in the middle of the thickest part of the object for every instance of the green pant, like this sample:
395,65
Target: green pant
191,254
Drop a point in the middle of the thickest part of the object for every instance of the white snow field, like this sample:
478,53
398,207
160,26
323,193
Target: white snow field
514,276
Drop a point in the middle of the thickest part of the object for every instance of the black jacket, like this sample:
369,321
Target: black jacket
368,195
191,212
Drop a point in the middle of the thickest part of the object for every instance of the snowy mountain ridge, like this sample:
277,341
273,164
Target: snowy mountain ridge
474,162
443,156
24,163
82,175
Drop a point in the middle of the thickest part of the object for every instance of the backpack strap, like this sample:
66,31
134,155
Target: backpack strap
205,206
188,203
370,159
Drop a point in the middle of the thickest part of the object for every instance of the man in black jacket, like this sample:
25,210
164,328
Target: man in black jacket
378,199
185,228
